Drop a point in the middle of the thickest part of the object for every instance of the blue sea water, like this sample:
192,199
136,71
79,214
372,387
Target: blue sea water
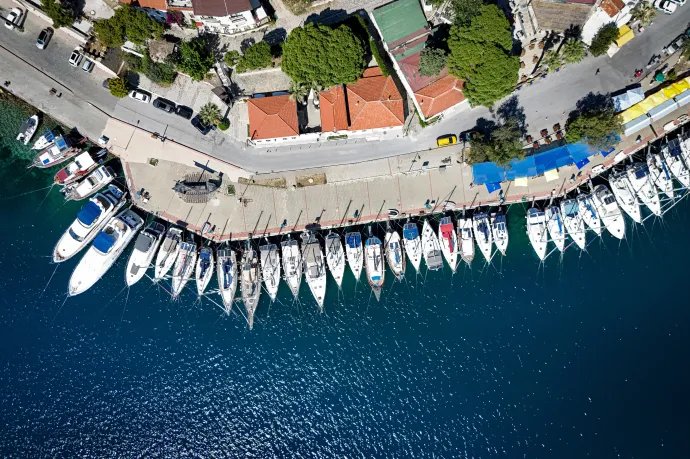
584,358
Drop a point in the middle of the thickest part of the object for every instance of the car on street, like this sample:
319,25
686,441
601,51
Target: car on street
200,125
13,18
165,105
106,85
43,38
140,96
446,140
184,112
75,58
675,46
88,65
679,2
665,6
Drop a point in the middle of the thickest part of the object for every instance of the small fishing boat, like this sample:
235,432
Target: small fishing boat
672,153
589,213
292,264
27,130
90,220
536,231
640,181
355,253
145,246
270,269
335,257
168,253
60,151
610,213
431,248
107,247
75,170
482,233
395,254
627,200
499,231
554,224
250,282
314,267
413,244
93,182
204,269
373,261
46,140
184,267
449,242
574,224
226,271
466,239
660,174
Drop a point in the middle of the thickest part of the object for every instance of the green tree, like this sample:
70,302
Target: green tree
299,91
466,10
603,39
507,143
480,149
110,32
381,59
644,12
431,61
257,56
127,24
118,87
195,59
61,16
597,127
318,53
552,60
574,51
224,124
161,73
210,114
231,57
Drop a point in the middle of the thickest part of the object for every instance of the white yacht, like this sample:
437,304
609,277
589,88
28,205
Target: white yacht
204,269
499,231
431,248
554,224
314,267
292,264
46,140
107,247
58,152
660,174
145,246
90,220
93,182
373,261
270,269
335,257
673,155
610,213
413,244
640,181
250,282
75,170
574,224
355,253
626,197
184,267
482,233
448,239
168,253
27,130
589,213
536,231
226,271
395,254
466,239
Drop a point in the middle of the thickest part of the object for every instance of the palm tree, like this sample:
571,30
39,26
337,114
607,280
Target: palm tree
210,114
552,60
299,91
574,51
644,12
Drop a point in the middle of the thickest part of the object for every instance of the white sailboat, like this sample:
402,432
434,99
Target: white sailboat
373,262
678,165
466,239
589,213
270,269
640,181
184,267
431,248
90,220
145,246
107,247
660,174
554,225
626,197
292,264
448,239
314,267
610,213
413,244
536,231
46,140
482,233
354,252
93,182
204,269
27,130
226,271
168,253
395,254
335,257
250,282
499,231
570,211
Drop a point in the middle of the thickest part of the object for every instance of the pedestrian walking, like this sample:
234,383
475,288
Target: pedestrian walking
597,72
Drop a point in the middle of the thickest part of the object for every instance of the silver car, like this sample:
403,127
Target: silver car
43,38
87,66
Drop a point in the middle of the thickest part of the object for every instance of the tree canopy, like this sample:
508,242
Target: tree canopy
195,59
61,16
210,114
431,61
574,51
318,53
118,87
603,39
127,24
232,57
502,145
257,56
552,60
597,126
480,55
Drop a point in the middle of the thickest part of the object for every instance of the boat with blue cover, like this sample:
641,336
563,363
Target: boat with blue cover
574,224
482,234
226,271
204,269
354,253
412,244
46,140
672,153
60,151
660,174
373,261
395,255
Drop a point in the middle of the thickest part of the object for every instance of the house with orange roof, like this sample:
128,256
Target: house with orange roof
272,119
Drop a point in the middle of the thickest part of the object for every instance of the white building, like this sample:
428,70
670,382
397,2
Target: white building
228,16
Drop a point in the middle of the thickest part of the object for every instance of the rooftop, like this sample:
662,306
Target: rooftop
271,117
155,4
559,16
440,95
612,7
400,19
160,49
220,8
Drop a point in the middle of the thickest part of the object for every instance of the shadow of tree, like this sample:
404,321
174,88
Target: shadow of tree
214,45
511,110
132,79
591,102
275,36
246,44
327,17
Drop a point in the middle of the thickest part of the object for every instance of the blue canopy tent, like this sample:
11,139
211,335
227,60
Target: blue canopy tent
488,173
582,163
552,159
521,168
491,187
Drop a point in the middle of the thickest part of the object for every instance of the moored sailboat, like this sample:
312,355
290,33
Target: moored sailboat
168,253
466,239
611,216
226,271
373,262
625,196
93,182
431,248
354,252
335,257
184,267
413,244
292,264
395,254
499,231
204,269
314,267
640,181
574,224
588,212
554,225
660,174
270,269
537,232
250,282
449,242
677,164
145,246
482,233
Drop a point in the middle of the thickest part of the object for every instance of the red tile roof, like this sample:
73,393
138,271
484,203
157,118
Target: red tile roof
333,110
440,95
612,7
582,2
271,117
155,4
220,8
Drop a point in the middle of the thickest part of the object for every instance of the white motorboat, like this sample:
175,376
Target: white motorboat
672,153
482,233
431,248
90,220
75,170
204,269
466,239
589,213
536,231
554,224
610,213
184,267
626,197
660,174
270,269
46,140
107,247
93,182
145,246
168,253
292,264
373,261
640,181
250,282
314,267
413,244
395,254
60,151
226,271
335,257
355,253
499,231
574,224
27,130
449,242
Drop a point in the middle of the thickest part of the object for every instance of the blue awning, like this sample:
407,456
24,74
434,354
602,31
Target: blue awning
410,232
103,242
89,213
487,173
579,151
582,163
491,187
522,168
552,159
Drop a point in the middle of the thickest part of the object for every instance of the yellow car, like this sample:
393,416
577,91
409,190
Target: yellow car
446,140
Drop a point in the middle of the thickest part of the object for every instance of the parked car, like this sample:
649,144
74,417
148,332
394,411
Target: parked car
88,65
140,96
446,140
13,18
184,112
165,105
679,2
43,38
665,6
106,85
200,125
675,46
75,58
